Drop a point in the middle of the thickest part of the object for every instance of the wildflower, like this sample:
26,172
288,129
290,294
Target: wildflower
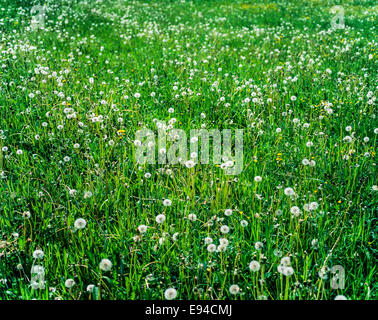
38,254
244,223
192,217
288,271
258,179
167,202
278,212
160,218
26,214
106,265
90,288
259,245
87,194
254,266
313,206
234,289
208,240
224,229
190,164
80,223
170,294
211,247
228,212
285,261
289,192
142,228
340,297
295,211
69,283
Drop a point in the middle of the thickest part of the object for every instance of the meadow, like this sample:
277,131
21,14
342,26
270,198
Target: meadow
80,218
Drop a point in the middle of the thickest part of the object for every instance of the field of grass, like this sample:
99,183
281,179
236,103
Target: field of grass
81,219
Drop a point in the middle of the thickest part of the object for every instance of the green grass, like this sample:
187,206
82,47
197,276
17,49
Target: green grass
209,50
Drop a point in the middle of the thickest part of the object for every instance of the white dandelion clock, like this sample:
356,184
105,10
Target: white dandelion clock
170,294
106,265
69,283
167,203
142,228
234,289
160,218
80,223
254,266
38,254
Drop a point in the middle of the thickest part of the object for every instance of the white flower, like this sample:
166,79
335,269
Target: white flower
142,228
192,217
190,164
258,179
170,293
208,240
323,273
340,297
211,247
254,266
285,261
234,289
244,223
80,223
137,95
167,202
160,218
69,283
224,229
259,245
38,254
295,211
90,287
289,192
314,205
87,194
106,265
288,271
228,212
